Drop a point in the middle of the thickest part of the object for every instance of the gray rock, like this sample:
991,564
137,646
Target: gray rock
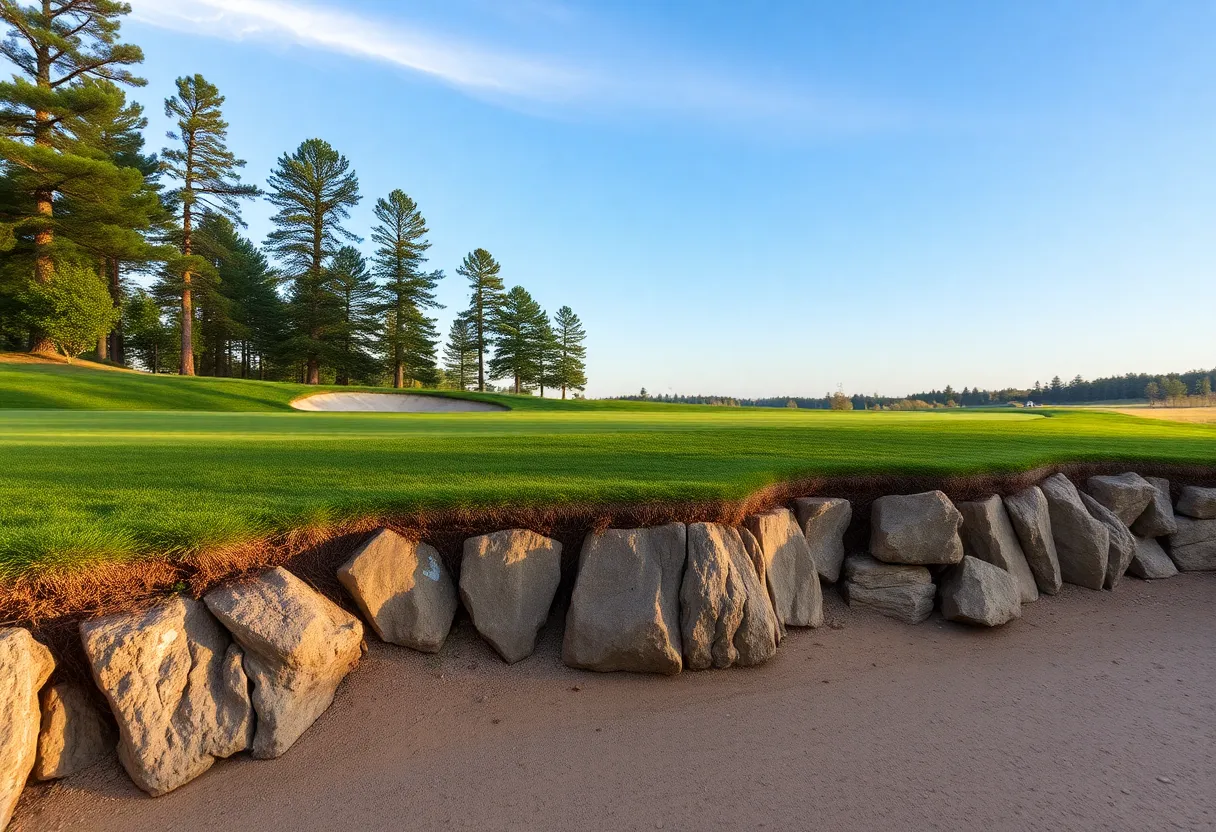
726,616
1150,561
1122,543
988,535
298,645
25,665
176,687
977,592
625,610
1196,502
1157,519
1031,520
905,593
789,568
917,529
1127,495
74,734
823,521
1082,542
403,590
1193,545
507,583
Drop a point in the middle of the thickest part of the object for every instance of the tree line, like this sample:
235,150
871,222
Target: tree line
84,208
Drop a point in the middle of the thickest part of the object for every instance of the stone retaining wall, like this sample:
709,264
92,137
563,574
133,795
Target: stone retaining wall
255,662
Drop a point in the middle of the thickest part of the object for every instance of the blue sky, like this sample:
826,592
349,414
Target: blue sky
767,198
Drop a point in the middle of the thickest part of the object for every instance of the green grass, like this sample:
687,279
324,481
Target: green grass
81,485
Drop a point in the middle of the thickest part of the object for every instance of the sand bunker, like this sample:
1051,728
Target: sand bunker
390,403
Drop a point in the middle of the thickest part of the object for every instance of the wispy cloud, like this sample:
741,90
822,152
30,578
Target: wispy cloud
513,78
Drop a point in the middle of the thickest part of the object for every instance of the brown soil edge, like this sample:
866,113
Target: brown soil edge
52,604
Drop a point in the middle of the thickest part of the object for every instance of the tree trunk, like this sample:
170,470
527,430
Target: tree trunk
398,375
563,391
314,372
155,359
187,365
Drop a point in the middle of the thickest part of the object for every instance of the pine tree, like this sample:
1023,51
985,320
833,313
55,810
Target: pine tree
518,322
460,353
547,354
355,331
409,337
571,368
57,46
206,171
148,335
314,190
482,272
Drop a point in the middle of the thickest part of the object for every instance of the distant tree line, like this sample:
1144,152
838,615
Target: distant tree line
84,210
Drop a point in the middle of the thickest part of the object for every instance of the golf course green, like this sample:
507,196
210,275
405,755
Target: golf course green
100,465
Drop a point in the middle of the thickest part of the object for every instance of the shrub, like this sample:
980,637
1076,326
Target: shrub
74,309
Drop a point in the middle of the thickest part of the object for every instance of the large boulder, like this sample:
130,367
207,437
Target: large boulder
74,733
1127,495
978,592
1196,502
298,645
625,610
403,590
176,685
726,616
905,593
823,521
988,535
1157,519
1082,542
916,529
789,568
507,583
1193,545
1150,561
1031,520
25,665
1122,543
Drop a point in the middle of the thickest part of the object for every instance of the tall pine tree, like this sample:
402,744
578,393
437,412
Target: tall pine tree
460,354
356,328
519,325
208,182
314,190
482,272
570,370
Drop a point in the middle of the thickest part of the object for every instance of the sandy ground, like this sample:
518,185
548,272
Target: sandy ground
390,403
1173,414
1095,711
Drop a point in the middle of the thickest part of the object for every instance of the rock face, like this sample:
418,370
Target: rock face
1157,519
1127,495
823,521
298,646
507,583
625,610
977,592
1031,520
789,569
904,593
917,529
988,535
1082,542
25,665
726,616
1150,561
1196,502
1122,543
1193,545
177,688
74,734
403,589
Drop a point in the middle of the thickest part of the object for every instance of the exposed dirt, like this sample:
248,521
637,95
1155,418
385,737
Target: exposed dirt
1096,710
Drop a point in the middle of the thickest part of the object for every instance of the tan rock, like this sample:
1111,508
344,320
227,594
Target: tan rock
1031,520
725,613
507,583
823,521
916,529
298,646
403,589
625,610
25,665
978,592
1082,542
988,535
905,593
789,569
176,687
74,733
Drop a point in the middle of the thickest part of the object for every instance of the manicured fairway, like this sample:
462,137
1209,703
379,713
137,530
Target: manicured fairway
79,485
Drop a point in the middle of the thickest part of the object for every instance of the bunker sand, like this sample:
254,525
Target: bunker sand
391,403
1094,711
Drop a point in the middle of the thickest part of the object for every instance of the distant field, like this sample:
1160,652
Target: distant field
87,484
1194,415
